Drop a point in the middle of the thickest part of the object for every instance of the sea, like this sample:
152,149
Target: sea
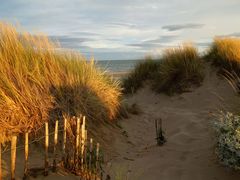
114,66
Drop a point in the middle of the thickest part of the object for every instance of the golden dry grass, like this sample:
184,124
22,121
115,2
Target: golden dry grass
177,70
180,68
38,83
225,52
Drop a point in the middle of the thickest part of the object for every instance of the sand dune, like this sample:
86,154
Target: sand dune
189,151
130,148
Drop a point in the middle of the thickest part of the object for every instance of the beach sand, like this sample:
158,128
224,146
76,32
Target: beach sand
130,147
187,119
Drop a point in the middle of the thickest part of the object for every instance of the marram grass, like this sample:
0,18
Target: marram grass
181,67
177,70
38,83
144,70
225,53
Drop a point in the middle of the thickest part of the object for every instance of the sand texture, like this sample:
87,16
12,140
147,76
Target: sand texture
187,120
130,147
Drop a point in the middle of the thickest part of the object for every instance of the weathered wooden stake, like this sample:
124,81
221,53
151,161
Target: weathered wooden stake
85,153
90,156
97,160
26,157
83,141
13,156
77,143
64,139
46,148
159,132
85,158
55,147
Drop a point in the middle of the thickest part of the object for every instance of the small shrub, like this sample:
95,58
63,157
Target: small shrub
180,68
144,70
225,53
227,128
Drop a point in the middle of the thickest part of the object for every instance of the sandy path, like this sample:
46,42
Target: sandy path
189,151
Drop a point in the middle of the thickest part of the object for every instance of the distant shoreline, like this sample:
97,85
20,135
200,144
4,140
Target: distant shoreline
119,74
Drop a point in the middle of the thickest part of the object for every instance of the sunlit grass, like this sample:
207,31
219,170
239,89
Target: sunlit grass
180,68
225,52
38,83
177,70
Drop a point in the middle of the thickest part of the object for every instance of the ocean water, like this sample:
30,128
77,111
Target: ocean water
117,65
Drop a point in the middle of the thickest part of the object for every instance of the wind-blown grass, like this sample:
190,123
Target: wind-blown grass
38,83
144,70
177,70
180,68
225,53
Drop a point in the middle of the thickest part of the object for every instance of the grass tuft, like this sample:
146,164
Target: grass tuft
225,53
180,68
144,70
39,82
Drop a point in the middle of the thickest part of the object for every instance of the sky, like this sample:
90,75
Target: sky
125,29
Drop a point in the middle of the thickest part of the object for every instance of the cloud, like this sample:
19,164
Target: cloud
108,27
145,45
161,41
203,44
122,24
235,34
71,42
175,27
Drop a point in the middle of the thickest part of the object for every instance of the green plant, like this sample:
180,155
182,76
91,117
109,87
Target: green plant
180,68
143,71
227,127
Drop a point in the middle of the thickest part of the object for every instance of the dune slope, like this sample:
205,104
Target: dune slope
187,118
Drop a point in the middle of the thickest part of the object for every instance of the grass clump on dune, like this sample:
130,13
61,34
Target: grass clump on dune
144,70
180,68
225,53
38,83
177,70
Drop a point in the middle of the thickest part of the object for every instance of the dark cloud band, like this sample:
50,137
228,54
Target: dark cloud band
175,27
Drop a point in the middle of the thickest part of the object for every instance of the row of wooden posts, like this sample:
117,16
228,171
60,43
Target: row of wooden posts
78,161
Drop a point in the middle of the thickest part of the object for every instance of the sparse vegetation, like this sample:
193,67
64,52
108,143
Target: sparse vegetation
143,71
177,70
225,53
227,128
37,83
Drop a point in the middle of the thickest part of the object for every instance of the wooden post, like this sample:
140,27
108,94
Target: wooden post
90,156
46,148
85,153
13,156
55,147
77,143
159,132
84,122
64,139
97,160
0,161
26,157
83,140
